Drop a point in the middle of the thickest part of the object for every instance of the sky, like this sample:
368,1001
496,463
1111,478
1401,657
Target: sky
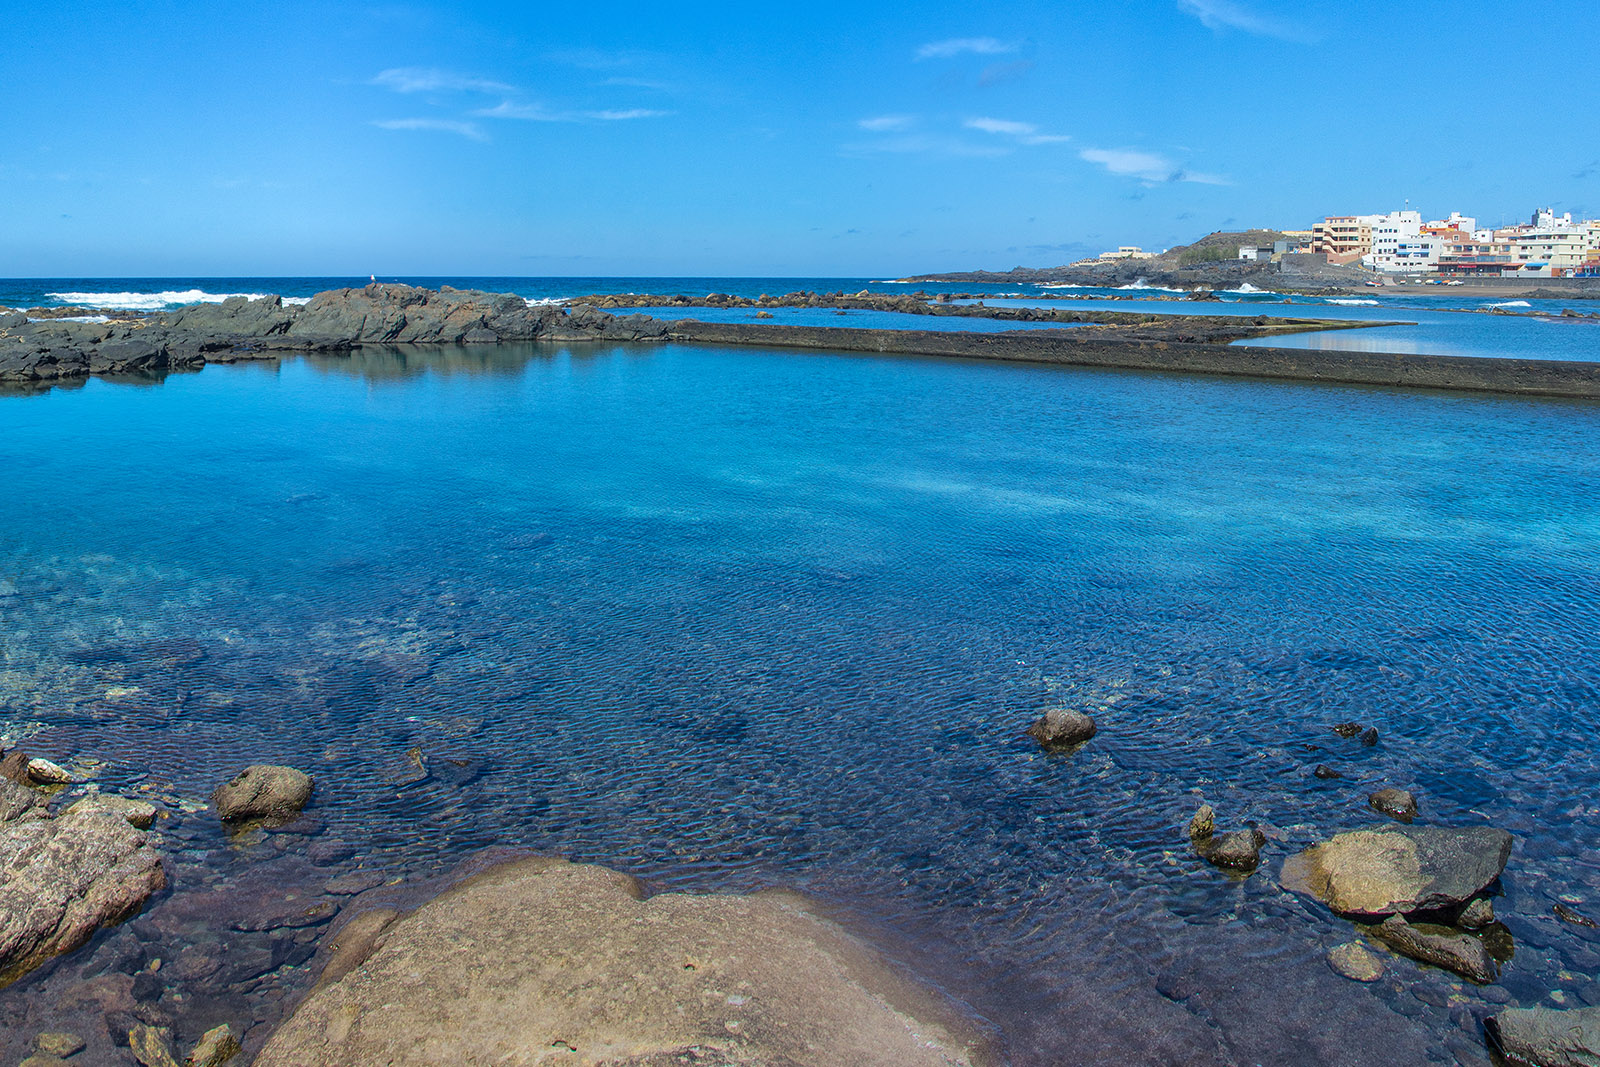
856,140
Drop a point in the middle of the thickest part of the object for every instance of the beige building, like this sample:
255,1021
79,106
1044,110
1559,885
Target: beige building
1343,238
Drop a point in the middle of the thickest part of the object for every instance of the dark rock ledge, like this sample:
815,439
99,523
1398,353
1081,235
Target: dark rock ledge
240,329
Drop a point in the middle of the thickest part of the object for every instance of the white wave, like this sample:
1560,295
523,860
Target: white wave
548,301
1065,285
1510,304
1245,288
1142,284
1350,301
75,318
148,301
297,300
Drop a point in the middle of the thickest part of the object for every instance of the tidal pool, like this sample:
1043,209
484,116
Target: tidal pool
730,618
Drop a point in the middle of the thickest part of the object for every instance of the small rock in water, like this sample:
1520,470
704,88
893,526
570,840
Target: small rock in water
1478,914
1567,915
58,1043
1439,945
412,771
1326,772
44,772
1369,736
1062,728
15,767
1239,850
1348,729
263,791
1395,803
1204,822
1547,1037
216,1047
1355,961
151,1047
1399,869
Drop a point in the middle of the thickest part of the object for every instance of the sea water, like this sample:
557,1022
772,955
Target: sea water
733,618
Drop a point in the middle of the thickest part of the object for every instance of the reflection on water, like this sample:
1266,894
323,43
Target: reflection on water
734,618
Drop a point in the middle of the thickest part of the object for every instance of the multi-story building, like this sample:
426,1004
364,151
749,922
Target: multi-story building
1388,233
1128,252
1343,238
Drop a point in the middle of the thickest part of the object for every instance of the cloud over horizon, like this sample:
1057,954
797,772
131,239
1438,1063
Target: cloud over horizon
1148,167
432,79
1226,14
469,130
955,46
1024,132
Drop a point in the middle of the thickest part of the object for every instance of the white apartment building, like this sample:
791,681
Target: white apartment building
1389,232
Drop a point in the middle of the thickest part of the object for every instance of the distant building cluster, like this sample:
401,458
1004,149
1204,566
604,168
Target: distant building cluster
1400,242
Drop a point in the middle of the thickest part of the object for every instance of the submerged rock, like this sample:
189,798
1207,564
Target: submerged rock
1439,945
151,1046
1399,869
1062,728
1348,729
1356,962
1369,736
1477,915
1395,803
62,879
542,954
1567,915
1326,772
1237,850
1547,1037
263,791
215,1047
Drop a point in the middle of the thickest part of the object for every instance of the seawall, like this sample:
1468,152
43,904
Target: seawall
1533,377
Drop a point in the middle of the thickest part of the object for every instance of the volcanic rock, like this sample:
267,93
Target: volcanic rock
1547,1037
1399,869
1440,946
216,1047
62,879
139,813
1062,728
263,791
1478,914
542,954
1395,803
19,802
1356,962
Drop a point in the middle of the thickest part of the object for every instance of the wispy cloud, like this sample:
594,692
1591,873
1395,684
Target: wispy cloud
1227,15
1148,167
433,80
886,123
523,112
956,46
465,129
924,144
1023,132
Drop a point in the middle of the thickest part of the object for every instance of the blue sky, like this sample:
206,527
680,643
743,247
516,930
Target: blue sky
175,138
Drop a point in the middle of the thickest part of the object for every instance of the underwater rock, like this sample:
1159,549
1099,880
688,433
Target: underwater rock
58,1043
62,879
1567,915
1348,730
1395,803
1062,728
1326,773
1441,946
1547,1037
1356,962
1399,869
151,1046
215,1047
263,791
543,949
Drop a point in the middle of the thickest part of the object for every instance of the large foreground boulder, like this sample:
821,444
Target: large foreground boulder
1547,1037
62,879
541,957
1396,870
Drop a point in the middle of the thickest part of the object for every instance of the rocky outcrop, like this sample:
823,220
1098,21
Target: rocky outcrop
239,328
263,791
1399,869
61,879
1547,1037
544,958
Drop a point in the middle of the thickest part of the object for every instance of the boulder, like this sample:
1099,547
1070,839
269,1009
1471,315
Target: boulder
1238,850
1356,962
1547,1037
263,791
62,879
45,772
541,955
1395,803
1399,869
1439,945
1062,728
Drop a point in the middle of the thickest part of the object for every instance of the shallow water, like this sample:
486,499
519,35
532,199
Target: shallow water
734,618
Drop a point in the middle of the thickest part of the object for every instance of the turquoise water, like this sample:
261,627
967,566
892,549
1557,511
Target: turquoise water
733,618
